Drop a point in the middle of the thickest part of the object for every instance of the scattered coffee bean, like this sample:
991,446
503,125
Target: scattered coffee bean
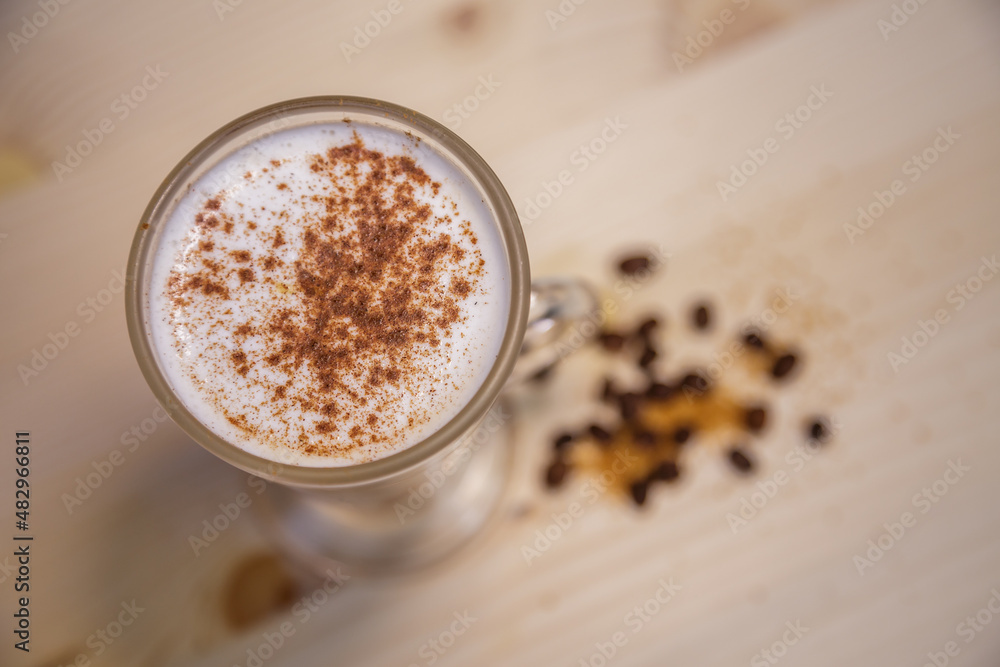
756,418
645,439
638,490
818,430
543,374
701,317
562,442
659,391
740,460
612,342
783,366
671,425
608,392
555,475
647,327
753,339
599,433
633,265
666,471
628,405
695,382
648,356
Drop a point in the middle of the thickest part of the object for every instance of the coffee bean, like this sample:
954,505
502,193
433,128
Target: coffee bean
608,392
666,471
612,342
753,339
562,442
543,374
555,475
701,317
629,404
659,391
638,490
633,265
647,327
695,382
740,460
682,434
755,419
818,430
599,433
783,366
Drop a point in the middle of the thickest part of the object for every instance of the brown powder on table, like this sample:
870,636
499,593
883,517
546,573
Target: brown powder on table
665,416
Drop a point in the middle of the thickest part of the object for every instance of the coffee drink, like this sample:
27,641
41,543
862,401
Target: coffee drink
336,298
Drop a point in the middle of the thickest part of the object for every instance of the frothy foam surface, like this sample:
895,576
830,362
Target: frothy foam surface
340,299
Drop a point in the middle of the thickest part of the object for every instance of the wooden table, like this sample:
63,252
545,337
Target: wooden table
143,82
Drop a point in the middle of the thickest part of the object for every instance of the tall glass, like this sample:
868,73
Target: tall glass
414,506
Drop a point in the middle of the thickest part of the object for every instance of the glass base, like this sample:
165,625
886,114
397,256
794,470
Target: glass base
427,517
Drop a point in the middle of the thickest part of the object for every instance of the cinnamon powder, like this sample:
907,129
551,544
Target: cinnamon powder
378,279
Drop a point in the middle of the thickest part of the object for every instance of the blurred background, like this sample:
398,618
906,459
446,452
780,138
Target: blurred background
843,153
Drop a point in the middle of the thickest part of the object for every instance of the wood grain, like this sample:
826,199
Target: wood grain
657,183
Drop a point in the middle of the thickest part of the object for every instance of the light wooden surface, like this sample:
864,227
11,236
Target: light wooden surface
656,184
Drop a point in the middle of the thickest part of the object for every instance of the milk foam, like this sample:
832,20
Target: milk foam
196,350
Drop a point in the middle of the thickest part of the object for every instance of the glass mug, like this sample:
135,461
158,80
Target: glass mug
415,506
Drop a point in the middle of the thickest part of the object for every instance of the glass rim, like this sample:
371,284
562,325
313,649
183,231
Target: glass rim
207,151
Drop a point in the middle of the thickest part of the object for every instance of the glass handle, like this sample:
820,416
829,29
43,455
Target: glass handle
562,317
